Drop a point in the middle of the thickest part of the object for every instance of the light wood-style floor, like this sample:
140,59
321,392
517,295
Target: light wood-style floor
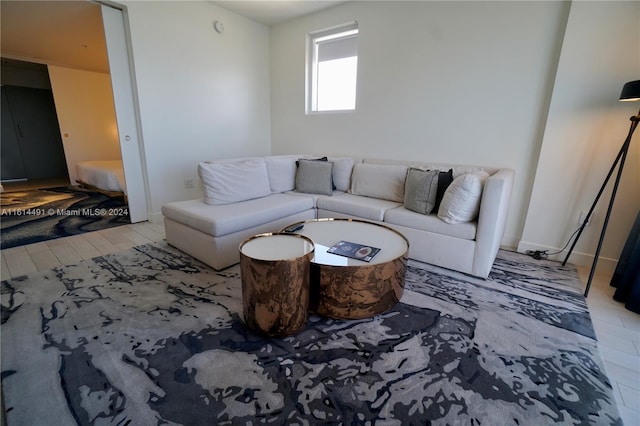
617,329
45,255
618,332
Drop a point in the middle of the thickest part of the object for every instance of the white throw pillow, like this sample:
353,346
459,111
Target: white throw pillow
282,172
229,182
384,181
461,200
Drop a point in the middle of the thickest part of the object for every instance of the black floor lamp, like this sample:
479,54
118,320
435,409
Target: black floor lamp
630,92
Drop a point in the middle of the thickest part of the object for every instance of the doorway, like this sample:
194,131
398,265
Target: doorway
74,35
32,150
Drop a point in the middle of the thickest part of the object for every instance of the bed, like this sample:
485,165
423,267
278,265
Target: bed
107,176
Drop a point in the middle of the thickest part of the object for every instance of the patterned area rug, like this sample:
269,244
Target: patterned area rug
44,214
150,336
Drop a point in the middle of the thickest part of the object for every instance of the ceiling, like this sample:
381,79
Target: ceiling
70,33
272,12
65,33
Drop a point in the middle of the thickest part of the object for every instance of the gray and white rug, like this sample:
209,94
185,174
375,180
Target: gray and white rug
151,337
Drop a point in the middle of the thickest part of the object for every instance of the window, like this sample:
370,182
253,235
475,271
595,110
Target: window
332,68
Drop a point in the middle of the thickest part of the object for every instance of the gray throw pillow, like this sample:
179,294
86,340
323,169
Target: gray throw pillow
314,177
420,190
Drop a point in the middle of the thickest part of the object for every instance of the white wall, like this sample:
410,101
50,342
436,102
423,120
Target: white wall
585,130
84,104
462,82
466,82
202,95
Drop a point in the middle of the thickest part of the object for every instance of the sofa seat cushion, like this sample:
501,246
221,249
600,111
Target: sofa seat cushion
228,218
313,197
349,204
431,223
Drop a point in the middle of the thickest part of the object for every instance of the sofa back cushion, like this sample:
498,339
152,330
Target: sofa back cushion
342,169
282,172
384,181
228,182
458,169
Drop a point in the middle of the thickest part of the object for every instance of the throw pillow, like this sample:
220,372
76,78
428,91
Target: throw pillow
420,190
384,181
314,177
311,159
461,200
230,182
444,180
319,159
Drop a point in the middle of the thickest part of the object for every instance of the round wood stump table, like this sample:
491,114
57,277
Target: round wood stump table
275,271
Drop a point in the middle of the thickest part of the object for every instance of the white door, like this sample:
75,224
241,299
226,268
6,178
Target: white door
121,83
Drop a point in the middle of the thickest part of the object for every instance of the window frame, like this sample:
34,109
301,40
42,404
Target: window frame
311,69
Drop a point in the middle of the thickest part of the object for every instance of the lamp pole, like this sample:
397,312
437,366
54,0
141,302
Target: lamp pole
630,92
621,157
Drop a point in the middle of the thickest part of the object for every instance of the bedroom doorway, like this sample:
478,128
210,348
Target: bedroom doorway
72,37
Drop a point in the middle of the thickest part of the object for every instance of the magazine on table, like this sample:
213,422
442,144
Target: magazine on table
354,250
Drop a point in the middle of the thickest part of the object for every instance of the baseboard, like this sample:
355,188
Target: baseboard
156,218
509,242
605,264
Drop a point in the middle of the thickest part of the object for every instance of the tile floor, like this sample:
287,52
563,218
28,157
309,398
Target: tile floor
617,329
618,332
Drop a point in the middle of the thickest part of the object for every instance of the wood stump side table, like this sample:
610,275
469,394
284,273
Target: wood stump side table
275,271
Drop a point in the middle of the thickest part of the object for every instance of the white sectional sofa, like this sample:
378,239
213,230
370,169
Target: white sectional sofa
247,196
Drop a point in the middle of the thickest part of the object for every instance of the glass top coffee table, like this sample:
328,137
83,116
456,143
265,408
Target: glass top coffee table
348,287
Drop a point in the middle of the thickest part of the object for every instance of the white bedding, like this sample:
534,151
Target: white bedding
106,175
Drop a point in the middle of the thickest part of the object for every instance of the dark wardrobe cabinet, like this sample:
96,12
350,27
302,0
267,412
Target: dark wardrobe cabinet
31,142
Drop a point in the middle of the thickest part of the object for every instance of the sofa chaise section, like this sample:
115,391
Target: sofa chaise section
213,233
